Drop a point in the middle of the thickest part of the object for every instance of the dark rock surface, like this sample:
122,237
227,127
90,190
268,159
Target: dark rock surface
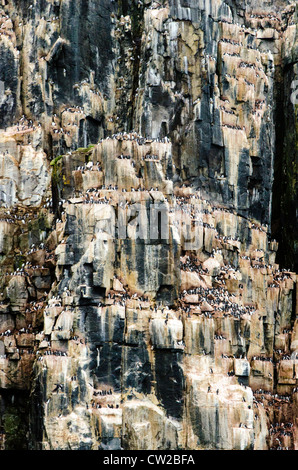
147,167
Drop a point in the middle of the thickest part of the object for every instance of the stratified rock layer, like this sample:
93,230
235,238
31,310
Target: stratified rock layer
142,306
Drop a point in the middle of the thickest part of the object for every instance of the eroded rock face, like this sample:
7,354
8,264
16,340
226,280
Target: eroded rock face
141,302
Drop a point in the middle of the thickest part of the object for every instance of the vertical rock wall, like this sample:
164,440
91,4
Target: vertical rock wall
141,147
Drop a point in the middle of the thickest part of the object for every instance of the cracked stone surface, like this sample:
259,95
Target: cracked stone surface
147,212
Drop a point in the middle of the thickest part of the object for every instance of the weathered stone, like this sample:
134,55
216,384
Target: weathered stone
142,305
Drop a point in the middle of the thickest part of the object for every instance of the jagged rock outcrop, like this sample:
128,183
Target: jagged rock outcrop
144,177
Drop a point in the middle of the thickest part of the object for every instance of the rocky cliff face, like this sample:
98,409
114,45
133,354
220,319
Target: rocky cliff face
147,165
